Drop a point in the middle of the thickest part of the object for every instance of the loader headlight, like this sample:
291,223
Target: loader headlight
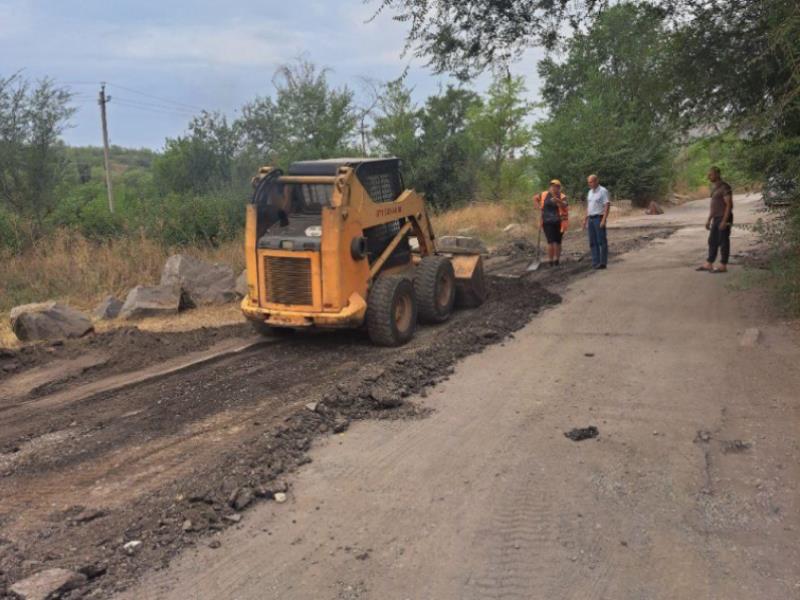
314,231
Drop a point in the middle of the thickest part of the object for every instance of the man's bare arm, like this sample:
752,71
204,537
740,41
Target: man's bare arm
606,210
728,209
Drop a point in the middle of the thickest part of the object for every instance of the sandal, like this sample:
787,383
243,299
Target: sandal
715,271
702,268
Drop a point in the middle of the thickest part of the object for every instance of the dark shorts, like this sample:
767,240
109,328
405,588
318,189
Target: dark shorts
552,231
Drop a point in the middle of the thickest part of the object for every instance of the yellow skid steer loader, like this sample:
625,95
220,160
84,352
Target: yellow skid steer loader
328,245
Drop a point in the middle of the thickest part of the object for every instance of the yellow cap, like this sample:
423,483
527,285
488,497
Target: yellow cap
555,182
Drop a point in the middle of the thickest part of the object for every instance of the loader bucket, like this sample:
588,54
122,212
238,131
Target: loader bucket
471,288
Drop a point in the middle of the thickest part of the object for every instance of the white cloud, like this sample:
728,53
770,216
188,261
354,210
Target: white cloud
233,44
192,52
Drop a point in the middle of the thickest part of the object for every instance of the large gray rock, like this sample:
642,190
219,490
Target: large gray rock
107,309
200,282
47,584
145,301
459,244
241,284
48,321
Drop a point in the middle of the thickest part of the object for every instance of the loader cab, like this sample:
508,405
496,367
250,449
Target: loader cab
290,214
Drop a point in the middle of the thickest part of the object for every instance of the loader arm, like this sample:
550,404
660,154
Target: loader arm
351,196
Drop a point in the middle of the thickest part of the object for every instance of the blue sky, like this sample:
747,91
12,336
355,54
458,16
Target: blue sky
199,54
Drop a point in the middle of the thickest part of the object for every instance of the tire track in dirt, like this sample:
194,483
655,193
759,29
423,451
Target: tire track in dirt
519,543
183,414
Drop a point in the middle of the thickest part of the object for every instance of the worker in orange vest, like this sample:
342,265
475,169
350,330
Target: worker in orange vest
554,212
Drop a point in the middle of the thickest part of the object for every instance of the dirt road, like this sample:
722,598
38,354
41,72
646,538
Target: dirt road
690,490
158,440
465,489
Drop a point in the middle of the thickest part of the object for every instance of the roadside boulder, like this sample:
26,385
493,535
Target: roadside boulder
48,321
145,301
241,284
460,244
201,283
107,309
50,583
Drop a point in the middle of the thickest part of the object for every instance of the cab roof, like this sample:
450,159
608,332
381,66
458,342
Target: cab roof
330,166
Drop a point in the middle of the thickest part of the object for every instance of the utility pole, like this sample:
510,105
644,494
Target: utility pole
102,101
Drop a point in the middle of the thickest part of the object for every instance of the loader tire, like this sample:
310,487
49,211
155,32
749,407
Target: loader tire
435,289
391,311
472,292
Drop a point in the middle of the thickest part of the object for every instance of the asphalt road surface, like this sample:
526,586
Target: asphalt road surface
689,491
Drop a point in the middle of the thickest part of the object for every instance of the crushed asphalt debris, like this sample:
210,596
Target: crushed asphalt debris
735,446
582,433
275,401
702,437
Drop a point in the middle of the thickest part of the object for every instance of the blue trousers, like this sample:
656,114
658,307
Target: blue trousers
597,241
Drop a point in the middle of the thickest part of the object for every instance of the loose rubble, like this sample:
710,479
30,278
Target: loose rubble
132,547
146,531
48,584
582,433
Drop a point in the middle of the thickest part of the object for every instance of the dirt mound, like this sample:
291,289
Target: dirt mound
128,348
215,440
206,499
516,247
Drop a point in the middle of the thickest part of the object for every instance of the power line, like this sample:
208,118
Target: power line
159,98
156,111
166,103
154,105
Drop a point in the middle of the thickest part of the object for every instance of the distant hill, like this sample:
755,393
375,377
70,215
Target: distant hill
88,160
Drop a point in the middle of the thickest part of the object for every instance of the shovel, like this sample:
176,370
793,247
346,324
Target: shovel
538,262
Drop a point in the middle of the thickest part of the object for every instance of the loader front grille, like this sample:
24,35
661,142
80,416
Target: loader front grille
288,280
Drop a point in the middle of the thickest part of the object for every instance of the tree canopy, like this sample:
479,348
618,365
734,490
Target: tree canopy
608,107
32,160
307,117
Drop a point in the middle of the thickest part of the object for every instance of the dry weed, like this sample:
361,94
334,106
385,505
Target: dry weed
72,269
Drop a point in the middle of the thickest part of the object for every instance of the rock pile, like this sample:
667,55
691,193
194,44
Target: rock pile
186,282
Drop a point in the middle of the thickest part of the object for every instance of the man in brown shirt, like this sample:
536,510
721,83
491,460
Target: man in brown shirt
719,222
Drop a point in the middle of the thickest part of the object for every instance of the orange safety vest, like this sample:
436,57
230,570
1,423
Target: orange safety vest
563,211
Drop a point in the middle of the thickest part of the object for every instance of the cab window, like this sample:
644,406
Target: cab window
310,198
